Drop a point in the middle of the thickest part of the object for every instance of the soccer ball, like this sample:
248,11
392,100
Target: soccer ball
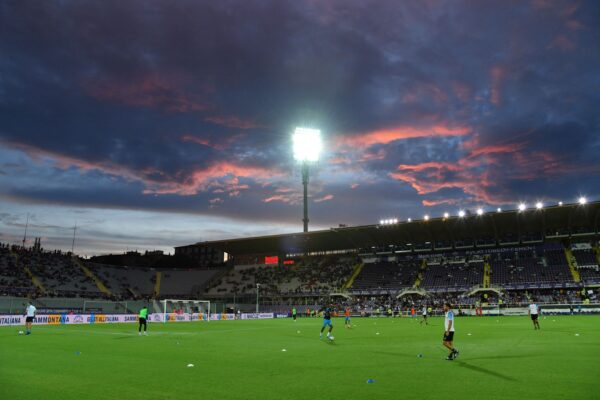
21,332
331,337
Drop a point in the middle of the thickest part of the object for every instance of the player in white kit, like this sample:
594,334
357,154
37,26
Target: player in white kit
534,313
30,315
449,333
424,315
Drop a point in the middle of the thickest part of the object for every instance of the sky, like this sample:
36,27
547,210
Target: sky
152,124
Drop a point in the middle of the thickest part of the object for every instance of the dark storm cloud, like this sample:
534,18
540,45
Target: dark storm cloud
188,106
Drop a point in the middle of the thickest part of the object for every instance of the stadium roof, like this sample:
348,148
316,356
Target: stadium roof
496,227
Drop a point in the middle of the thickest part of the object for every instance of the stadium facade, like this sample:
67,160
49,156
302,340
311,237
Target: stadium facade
471,232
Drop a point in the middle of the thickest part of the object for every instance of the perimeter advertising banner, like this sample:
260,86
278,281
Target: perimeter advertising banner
176,317
258,316
63,319
69,319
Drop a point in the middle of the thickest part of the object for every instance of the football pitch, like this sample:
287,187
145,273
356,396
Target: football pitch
500,358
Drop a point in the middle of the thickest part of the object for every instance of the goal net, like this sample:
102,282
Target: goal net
195,309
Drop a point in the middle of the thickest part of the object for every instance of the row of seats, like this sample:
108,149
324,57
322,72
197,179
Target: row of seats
311,275
61,275
387,275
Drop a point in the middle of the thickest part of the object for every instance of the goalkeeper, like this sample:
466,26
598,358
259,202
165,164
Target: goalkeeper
143,319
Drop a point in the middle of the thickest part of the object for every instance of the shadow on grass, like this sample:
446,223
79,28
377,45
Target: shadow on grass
395,354
484,371
126,337
503,357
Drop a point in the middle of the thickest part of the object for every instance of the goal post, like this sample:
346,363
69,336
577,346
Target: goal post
185,306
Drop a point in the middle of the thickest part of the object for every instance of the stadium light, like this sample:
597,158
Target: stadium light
409,220
539,205
522,207
560,203
499,210
426,217
307,144
446,215
582,201
461,213
480,212
307,148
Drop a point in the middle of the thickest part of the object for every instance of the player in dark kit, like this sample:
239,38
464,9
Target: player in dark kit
326,323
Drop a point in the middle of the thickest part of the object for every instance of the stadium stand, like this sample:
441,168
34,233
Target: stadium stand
13,280
453,272
312,275
508,256
530,265
387,275
61,276
587,262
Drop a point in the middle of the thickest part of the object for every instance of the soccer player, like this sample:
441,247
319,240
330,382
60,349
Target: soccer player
347,319
143,321
449,332
534,312
30,315
424,315
294,312
327,323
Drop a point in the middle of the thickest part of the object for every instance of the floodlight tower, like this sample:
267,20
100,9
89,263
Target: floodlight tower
307,148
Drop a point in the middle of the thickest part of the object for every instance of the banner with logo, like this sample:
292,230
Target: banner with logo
258,316
61,319
221,317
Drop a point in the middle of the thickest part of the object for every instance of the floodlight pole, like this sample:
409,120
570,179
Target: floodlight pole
305,184
25,235
257,287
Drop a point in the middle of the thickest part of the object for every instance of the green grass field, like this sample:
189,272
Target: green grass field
501,359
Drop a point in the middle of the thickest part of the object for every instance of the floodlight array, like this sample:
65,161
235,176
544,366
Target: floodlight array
307,144
521,207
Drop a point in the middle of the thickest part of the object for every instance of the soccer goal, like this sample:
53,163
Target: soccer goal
182,306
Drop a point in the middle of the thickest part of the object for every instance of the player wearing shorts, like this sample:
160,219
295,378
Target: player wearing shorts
327,323
347,319
29,317
143,319
449,332
294,313
424,315
534,313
